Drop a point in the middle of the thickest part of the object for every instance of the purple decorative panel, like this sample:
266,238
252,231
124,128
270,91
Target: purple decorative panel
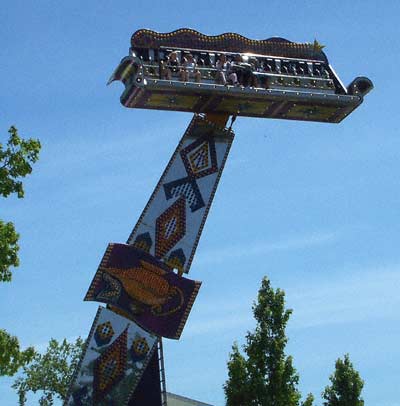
145,289
171,224
113,362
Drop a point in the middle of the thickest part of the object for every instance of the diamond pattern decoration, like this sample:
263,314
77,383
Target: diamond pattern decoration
193,172
139,349
104,333
170,227
200,158
107,374
110,367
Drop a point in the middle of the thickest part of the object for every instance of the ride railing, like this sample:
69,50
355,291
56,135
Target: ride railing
155,70
263,79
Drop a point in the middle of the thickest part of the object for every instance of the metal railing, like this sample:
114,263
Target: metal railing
162,372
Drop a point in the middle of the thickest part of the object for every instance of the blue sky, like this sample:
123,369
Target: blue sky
313,206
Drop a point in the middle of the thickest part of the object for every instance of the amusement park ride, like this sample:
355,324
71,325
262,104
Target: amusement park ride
142,281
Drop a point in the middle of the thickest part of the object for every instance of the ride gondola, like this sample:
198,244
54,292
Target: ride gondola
232,75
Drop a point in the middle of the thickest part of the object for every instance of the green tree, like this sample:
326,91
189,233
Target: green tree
264,375
346,385
50,373
309,401
16,159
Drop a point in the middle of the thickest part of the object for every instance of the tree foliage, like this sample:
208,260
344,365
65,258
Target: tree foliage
50,373
265,375
16,160
8,250
237,388
309,401
346,385
11,357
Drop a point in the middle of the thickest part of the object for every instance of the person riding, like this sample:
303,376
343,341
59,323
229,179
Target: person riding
189,69
224,73
243,71
170,66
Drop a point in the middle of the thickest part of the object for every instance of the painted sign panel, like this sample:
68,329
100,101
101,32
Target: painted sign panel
148,299
172,221
145,289
113,362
